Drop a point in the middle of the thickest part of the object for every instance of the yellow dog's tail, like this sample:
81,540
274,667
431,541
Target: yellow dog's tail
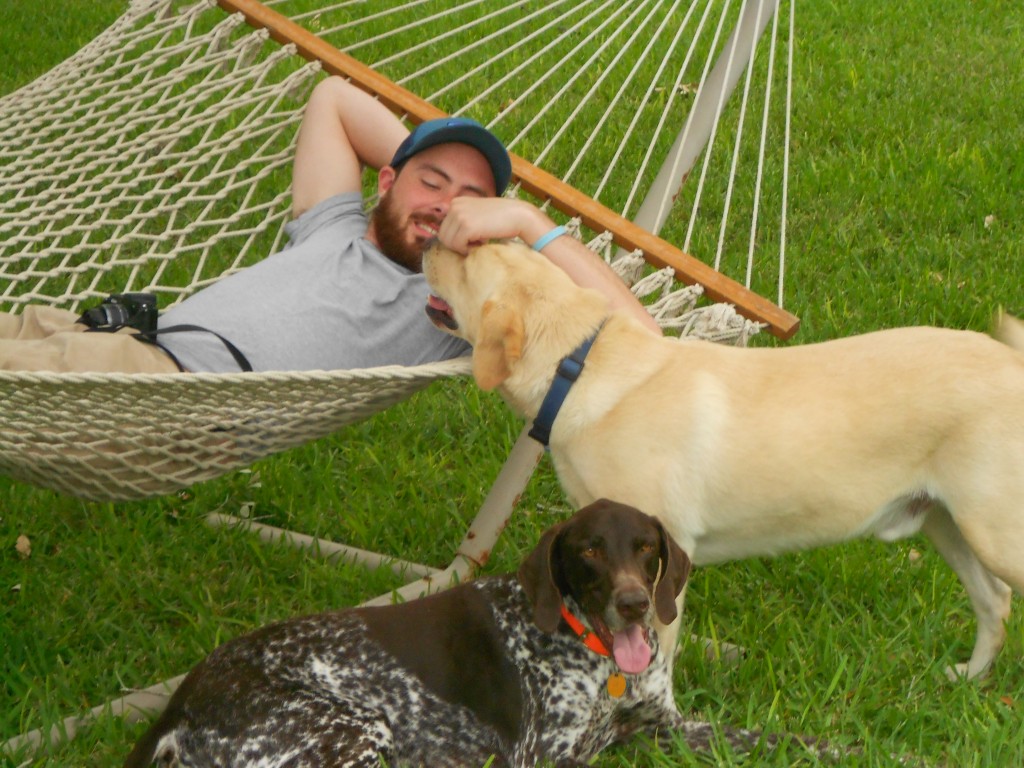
1010,331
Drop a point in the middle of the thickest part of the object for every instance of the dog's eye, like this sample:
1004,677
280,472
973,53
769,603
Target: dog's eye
589,552
645,548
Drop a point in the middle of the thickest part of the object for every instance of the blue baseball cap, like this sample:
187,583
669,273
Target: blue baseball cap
463,130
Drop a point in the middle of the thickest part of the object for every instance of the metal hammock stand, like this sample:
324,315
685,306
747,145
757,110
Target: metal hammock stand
157,157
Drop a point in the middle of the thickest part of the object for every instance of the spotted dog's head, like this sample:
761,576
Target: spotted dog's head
619,567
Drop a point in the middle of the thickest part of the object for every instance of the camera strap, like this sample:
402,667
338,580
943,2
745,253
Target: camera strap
150,337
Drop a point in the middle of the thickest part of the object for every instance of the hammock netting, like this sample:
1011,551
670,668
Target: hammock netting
158,158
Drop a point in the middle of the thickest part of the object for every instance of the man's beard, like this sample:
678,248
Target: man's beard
391,236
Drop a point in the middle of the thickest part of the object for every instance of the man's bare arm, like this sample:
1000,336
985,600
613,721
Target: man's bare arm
344,129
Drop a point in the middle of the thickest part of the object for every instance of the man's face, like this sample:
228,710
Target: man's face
413,203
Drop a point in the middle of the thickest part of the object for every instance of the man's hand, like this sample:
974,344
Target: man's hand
472,220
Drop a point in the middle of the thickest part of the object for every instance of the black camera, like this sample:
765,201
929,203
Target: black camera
123,310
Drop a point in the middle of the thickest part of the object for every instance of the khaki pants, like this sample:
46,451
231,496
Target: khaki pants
44,338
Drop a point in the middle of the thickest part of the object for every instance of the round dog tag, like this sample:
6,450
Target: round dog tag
616,685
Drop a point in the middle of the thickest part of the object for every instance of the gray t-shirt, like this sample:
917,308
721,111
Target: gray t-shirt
329,300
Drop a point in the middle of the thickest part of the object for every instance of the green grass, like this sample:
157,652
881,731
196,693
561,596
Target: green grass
35,41
907,137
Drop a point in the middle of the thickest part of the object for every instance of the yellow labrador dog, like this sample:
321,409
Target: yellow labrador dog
757,451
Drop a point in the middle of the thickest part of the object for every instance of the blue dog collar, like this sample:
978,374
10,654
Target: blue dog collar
569,369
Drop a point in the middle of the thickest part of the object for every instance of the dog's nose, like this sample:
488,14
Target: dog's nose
632,604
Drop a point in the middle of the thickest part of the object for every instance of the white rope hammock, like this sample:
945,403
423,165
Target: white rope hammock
158,157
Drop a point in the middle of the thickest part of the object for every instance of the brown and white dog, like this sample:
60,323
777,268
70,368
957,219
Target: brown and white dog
551,664
756,451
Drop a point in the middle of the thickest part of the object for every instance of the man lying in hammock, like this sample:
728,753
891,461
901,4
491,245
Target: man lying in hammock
347,292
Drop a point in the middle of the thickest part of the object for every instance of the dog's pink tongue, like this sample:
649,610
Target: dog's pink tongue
631,651
438,303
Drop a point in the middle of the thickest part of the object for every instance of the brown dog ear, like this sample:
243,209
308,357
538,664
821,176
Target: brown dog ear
675,570
537,577
499,344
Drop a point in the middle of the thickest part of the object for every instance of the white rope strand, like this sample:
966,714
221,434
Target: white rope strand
505,32
673,94
553,45
646,100
506,49
762,149
622,91
785,153
714,131
738,141
594,89
399,11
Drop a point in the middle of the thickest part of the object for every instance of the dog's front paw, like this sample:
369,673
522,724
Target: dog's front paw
960,672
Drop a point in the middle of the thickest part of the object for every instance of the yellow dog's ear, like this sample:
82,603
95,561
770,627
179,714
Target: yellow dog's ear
499,344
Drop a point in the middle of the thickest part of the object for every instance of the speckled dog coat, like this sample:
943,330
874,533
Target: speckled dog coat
489,668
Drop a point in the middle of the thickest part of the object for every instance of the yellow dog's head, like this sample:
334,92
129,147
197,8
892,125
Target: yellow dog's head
502,298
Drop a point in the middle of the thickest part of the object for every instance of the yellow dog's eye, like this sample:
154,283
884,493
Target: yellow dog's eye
646,548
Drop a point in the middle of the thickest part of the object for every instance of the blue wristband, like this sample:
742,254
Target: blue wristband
545,239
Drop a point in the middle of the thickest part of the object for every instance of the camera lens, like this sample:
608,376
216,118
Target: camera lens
114,314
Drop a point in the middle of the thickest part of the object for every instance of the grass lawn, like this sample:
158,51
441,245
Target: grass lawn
905,208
